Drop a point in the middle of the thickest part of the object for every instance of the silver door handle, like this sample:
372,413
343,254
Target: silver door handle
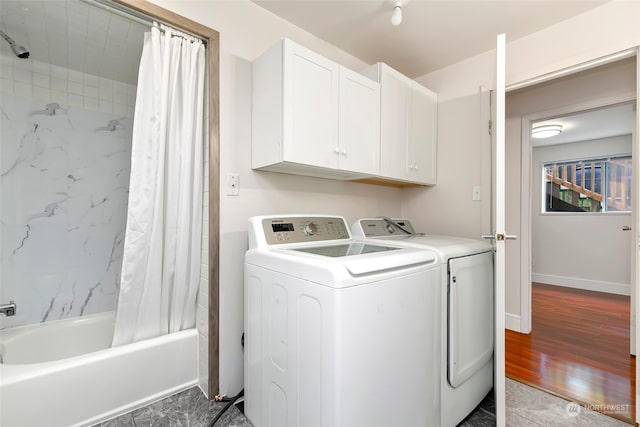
626,228
499,237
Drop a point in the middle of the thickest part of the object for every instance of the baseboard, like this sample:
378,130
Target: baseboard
588,285
512,322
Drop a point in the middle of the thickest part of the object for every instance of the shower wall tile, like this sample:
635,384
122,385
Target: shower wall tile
40,93
22,89
6,71
58,72
59,84
74,100
90,91
91,104
41,80
59,97
121,110
75,76
75,88
41,68
105,105
64,182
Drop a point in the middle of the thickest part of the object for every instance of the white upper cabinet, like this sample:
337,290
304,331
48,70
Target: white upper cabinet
408,141
312,116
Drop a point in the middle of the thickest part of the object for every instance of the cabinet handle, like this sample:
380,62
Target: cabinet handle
336,150
344,151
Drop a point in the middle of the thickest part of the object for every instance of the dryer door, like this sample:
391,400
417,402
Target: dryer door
470,316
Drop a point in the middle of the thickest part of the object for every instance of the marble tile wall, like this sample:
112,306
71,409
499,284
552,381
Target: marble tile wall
64,179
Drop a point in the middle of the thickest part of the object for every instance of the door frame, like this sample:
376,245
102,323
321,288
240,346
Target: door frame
525,164
526,182
212,111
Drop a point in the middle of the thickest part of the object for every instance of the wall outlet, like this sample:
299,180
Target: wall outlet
233,184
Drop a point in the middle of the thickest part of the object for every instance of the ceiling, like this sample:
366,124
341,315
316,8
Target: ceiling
595,124
75,35
433,33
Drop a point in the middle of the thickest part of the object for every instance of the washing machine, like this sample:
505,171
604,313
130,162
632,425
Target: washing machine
467,339
339,332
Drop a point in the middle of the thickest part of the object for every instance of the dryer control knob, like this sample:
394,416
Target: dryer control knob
310,229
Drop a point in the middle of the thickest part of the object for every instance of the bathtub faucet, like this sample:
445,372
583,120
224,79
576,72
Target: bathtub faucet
8,309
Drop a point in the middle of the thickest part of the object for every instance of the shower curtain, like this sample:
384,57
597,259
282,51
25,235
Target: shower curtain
161,262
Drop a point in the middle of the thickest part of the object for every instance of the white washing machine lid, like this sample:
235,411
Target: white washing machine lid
377,229
342,265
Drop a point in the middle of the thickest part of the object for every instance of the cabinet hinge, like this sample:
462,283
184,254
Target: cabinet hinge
490,127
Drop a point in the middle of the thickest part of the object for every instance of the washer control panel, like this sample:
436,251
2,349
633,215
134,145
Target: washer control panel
377,227
297,229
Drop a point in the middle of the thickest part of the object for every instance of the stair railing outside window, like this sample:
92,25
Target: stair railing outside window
594,185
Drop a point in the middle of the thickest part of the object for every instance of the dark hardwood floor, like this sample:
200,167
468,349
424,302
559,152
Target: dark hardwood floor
578,348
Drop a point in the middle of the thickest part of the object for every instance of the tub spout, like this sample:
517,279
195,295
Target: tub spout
8,309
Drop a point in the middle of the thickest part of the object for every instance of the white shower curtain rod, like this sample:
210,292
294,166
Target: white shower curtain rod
135,16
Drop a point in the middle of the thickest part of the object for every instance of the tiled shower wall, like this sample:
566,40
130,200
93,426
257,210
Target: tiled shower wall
64,176
64,182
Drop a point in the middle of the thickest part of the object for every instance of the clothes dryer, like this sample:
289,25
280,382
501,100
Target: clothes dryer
339,332
467,338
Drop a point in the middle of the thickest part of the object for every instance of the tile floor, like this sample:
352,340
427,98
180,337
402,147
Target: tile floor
526,406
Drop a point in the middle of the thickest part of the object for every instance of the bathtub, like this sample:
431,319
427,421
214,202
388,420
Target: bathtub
63,373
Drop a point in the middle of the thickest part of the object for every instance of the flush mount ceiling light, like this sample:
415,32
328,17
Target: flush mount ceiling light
546,131
396,16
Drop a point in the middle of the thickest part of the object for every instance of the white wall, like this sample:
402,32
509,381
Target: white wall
245,31
447,208
610,28
580,250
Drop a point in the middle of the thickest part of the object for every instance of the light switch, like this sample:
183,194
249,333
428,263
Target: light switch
476,193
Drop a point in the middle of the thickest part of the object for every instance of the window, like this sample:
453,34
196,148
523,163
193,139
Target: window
594,185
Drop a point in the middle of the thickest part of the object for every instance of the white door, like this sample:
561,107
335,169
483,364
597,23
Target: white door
500,235
422,145
394,118
311,110
359,140
471,334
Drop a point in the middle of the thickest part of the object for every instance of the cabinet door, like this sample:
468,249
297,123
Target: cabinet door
422,136
395,99
310,116
359,135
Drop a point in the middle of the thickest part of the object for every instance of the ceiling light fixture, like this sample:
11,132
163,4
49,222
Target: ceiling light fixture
546,131
396,16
